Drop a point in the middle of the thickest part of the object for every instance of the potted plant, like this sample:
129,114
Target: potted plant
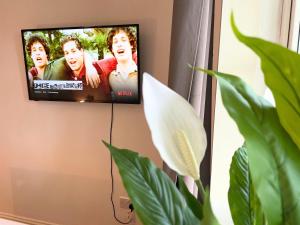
264,173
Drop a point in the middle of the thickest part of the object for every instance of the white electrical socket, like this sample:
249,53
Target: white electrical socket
124,204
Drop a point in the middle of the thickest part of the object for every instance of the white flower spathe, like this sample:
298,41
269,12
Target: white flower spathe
177,132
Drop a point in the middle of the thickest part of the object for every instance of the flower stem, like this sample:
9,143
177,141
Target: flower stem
200,188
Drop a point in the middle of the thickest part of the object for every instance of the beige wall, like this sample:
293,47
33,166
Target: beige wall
255,18
53,166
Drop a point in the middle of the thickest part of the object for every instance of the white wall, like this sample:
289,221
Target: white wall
295,26
254,18
53,166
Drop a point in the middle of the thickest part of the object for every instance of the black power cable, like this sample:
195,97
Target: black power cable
111,171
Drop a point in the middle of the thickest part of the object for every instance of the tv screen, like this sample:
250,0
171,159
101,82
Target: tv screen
86,64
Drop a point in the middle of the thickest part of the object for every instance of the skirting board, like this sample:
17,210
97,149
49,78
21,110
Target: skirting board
26,221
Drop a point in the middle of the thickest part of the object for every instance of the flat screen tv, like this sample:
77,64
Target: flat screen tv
83,64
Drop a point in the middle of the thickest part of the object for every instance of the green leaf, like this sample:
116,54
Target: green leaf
244,205
154,196
274,159
192,202
208,215
203,212
282,76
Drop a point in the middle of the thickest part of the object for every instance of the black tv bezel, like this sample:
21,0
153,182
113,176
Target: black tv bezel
30,97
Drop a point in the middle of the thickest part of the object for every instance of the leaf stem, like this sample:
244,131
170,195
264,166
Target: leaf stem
200,188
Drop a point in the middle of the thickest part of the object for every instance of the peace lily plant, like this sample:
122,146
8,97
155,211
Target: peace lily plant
174,126
265,172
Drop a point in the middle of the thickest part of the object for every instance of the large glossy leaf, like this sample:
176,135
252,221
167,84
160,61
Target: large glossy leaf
244,205
282,76
274,159
154,196
193,203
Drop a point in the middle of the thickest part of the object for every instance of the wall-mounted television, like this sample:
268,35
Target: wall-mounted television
83,64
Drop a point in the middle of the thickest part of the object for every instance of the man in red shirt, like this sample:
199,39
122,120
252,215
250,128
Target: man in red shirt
74,56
